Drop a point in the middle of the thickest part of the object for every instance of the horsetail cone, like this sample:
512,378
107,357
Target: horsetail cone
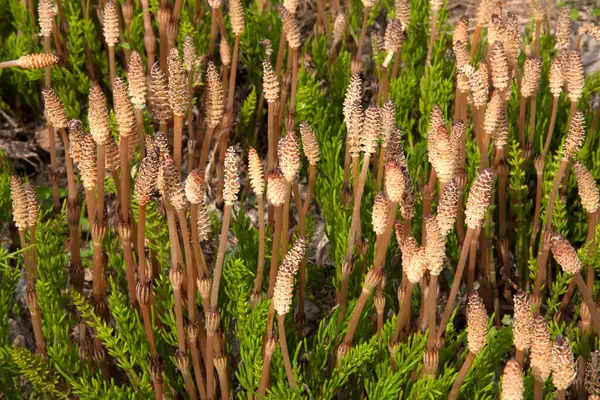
563,366
225,52
173,185
87,163
476,323
194,186
55,109
284,285
288,153
512,381
565,255
36,61
159,95
499,66
522,321
532,71
123,111
403,12
592,374
290,27
20,205
146,178
436,119
541,350
379,214
98,115
435,249
563,29
500,134
407,205
394,181
586,185
137,81
556,78
575,76
513,41
203,222
479,198
255,172
46,14
496,27
461,31
231,177
110,26
310,145
482,14
276,187
354,126
339,27
189,52
492,113
371,130
33,207
394,35
353,96
442,155
270,83
178,97
112,154
461,53
414,259
388,121
214,96
236,12
478,85
447,207
75,137
576,135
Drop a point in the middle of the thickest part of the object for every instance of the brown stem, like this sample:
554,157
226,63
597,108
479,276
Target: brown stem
292,105
220,255
197,370
352,235
472,261
147,320
471,233
532,104
139,119
461,376
232,78
221,22
404,308
560,395
380,168
149,36
177,140
264,378
224,384
209,365
428,193
111,64
176,254
538,390
360,304
475,40
141,242
205,148
538,207
36,322
90,199
284,351
431,309
588,298
213,31
189,384
551,126
271,137
363,32
521,130
312,173
280,53
591,133
10,64
286,220
432,34
30,268
591,242
189,266
179,319
322,18
261,245
163,42
347,163
275,249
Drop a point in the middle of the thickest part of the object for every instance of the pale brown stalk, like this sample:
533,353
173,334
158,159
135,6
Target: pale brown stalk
312,173
261,248
461,376
302,269
551,126
51,138
36,320
111,63
270,348
163,17
220,255
285,352
189,265
149,36
539,168
205,147
432,35
277,211
213,30
192,335
363,31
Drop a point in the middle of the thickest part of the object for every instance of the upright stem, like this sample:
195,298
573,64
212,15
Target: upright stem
431,309
432,34
111,64
189,266
210,370
264,378
10,64
551,126
261,245
560,395
271,137
312,173
322,18
232,78
141,242
198,255
139,119
197,369
588,298
557,179
292,105
472,261
360,304
475,40
284,351
404,308
205,148
538,207
461,376
220,256
51,139
302,269
363,32
275,249
213,31
179,319
286,219
280,53
538,390
177,140
532,104
380,168
101,168
456,282
536,40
